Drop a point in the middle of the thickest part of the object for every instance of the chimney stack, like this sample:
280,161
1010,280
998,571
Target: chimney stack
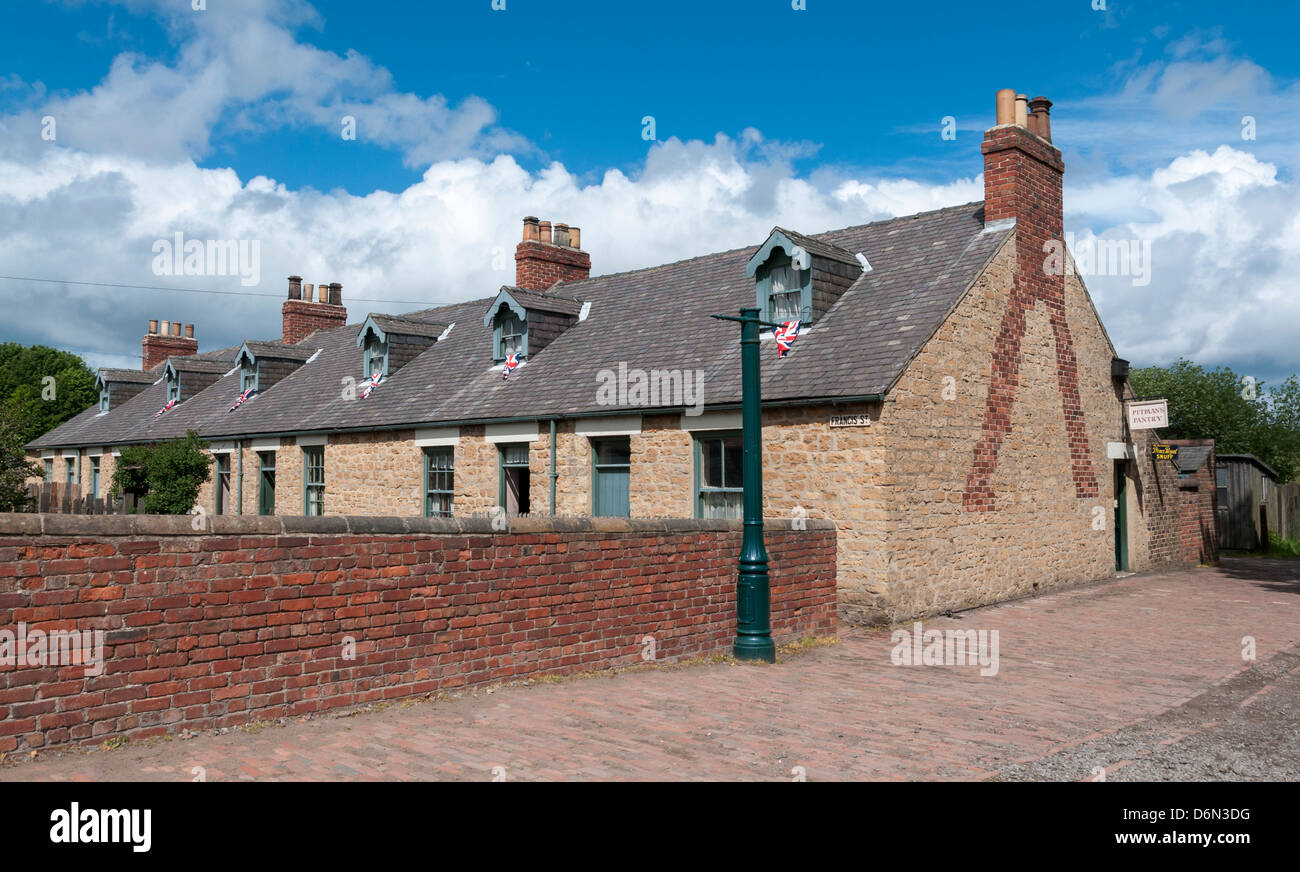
166,339
1023,171
310,308
547,255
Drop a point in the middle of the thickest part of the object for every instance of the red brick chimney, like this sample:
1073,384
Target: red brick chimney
168,339
546,256
311,308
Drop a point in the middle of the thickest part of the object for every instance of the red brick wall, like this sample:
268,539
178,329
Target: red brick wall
155,348
1198,525
301,319
538,265
248,622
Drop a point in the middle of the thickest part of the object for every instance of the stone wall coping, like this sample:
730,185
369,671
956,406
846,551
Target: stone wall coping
50,524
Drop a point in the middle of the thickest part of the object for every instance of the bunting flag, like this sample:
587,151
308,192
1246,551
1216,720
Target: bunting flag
512,364
243,398
165,408
371,384
785,336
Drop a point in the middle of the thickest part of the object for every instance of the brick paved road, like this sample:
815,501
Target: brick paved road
1143,676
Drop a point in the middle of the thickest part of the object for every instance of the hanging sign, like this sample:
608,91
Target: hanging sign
1148,415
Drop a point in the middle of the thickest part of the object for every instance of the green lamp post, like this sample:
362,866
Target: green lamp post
753,587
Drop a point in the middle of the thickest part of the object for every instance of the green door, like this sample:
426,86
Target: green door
611,475
1121,518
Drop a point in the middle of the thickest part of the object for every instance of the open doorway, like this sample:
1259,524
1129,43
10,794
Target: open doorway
514,490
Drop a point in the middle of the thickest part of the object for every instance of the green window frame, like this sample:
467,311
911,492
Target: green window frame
94,478
69,471
509,335
266,482
611,472
375,356
313,480
248,377
174,389
784,291
439,481
49,470
513,465
103,399
719,475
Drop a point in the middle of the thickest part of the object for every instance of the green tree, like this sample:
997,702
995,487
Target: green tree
41,405
165,477
14,466
1241,416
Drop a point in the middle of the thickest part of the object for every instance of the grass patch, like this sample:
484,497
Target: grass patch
1278,548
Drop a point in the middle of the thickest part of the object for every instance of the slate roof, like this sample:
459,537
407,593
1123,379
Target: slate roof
279,350
816,246
402,325
131,376
655,318
549,301
1192,457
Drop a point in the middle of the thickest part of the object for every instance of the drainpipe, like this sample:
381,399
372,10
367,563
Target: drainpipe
554,475
239,498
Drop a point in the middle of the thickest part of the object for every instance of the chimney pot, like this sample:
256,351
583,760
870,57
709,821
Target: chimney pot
544,232
166,328
308,293
189,331
336,294
561,235
1006,103
153,326
176,328
1022,110
1041,109
530,229
295,287
575,237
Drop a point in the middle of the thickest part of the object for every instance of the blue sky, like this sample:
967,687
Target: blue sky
226,122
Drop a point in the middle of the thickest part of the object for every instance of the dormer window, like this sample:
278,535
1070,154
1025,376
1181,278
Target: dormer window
248,375
375,356
799,278
525,322
103,398
511,335
174,387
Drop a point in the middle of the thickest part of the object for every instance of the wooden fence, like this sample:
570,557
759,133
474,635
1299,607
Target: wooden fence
1283,503
58,498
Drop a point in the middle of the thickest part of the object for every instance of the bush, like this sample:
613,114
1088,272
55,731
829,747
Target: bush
166,477
14,466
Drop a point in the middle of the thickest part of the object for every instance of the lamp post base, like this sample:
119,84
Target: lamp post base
754,648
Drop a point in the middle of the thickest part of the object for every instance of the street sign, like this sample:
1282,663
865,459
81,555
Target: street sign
1148,415
850,420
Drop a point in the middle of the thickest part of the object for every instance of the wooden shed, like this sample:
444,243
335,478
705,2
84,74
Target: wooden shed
1244,483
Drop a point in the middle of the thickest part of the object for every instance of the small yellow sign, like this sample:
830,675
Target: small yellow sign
1164,451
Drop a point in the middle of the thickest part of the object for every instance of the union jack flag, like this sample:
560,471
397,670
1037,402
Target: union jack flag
371,384
165,408
243,398
512,364
785,336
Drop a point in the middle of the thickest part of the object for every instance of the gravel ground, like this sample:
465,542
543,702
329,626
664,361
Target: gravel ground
1244,729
